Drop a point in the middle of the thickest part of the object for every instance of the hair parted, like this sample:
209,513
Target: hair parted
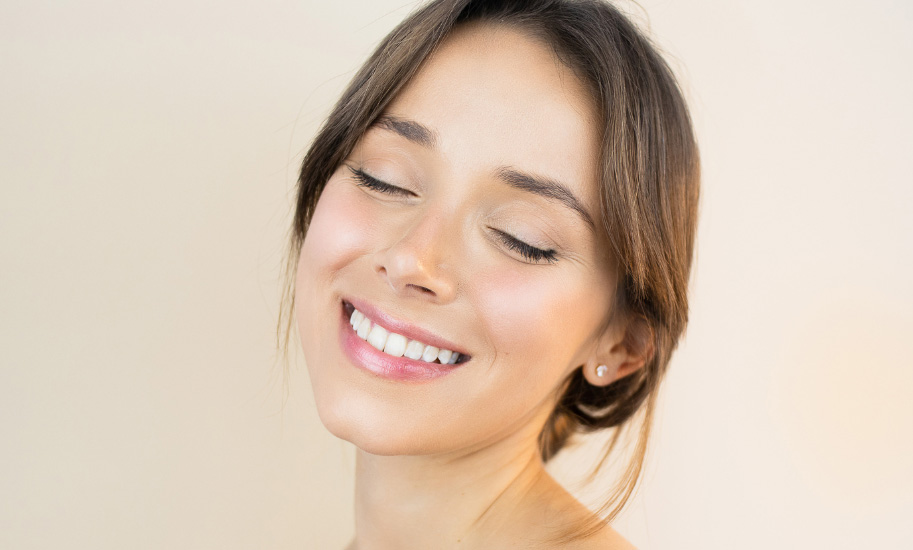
650,174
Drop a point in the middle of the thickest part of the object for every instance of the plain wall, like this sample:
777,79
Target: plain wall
148,152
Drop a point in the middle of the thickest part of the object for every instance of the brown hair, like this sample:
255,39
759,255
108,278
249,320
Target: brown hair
649,182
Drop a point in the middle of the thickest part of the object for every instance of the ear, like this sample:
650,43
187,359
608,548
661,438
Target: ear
624,348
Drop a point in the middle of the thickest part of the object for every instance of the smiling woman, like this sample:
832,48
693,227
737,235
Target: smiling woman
490,253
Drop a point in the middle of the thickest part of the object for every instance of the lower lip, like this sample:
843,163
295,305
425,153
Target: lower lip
368,357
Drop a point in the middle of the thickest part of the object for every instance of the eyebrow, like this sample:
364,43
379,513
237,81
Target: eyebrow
409,129
544,187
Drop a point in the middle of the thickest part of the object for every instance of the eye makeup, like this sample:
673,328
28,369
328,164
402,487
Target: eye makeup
529,252
370,182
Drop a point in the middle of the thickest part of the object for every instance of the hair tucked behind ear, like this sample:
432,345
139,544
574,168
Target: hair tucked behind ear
649,182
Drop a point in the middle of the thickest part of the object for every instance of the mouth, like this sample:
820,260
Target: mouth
394,344
393,349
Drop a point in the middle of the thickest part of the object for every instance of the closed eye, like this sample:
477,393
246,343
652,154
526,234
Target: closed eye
366,180
531,253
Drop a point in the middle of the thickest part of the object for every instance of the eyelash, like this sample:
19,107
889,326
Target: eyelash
529,252
369,182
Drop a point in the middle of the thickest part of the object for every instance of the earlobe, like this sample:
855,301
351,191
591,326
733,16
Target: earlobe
600,375
625,355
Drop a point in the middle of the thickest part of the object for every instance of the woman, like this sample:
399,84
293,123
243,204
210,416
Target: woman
491,250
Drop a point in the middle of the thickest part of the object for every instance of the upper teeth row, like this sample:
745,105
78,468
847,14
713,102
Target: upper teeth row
398,345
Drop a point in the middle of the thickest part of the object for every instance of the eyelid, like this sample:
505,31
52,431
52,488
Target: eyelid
370,182
531,253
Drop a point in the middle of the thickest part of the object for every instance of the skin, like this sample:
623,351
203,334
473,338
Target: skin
453,462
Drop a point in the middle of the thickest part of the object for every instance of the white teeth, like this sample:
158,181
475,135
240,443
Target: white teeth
414,349
430,354
357,316
378,337
398,345
363,327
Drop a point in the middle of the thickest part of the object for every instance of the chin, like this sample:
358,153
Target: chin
377,442
374,428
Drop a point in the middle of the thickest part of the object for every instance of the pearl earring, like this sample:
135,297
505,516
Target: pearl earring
601,370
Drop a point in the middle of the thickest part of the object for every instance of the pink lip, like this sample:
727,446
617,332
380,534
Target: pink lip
373,360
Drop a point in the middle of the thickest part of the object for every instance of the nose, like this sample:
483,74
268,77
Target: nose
418,263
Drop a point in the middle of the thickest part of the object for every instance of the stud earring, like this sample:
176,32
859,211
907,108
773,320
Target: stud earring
601,370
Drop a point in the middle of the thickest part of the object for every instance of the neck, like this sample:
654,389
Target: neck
467,499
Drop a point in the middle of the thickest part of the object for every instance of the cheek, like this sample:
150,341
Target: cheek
339,231
538,324
336,238
535,318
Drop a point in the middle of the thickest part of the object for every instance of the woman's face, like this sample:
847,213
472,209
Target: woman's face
463,221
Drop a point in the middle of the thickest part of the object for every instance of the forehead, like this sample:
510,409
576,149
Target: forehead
495,97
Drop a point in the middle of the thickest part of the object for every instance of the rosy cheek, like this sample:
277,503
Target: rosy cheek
517,309
339,230
534,317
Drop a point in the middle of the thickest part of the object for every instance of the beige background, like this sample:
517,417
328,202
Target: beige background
147,152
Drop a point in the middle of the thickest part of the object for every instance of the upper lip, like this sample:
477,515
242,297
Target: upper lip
403,328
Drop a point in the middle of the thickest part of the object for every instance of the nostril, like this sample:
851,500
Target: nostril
424,290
